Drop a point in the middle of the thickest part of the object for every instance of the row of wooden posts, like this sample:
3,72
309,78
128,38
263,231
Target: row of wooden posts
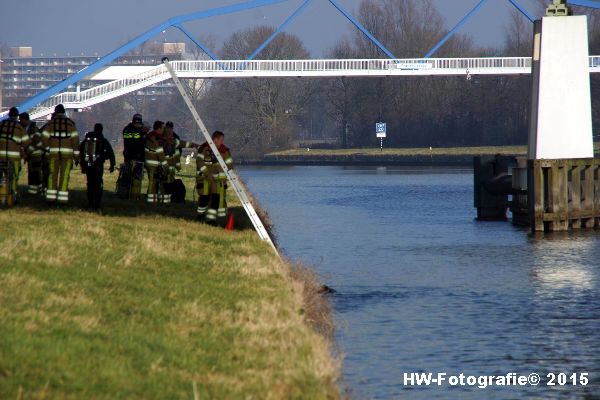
565,194
550,195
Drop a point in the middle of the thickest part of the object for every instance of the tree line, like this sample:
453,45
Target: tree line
264,115
420,111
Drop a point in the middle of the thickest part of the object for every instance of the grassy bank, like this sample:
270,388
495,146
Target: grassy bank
442,151
143,302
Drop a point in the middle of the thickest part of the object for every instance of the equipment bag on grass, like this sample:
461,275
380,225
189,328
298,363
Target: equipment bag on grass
124,181
7,197
177,189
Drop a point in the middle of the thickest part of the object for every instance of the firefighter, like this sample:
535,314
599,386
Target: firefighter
133,152
93,152
172,145
33,154
45,166
211,181
156,162
13,141
61,142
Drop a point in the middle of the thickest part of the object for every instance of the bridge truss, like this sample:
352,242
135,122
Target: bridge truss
42,102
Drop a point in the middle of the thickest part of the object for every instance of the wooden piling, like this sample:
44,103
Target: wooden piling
563,194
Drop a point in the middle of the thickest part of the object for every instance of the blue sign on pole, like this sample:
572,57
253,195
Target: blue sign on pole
381,129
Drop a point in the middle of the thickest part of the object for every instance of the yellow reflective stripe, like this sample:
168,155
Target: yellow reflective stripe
131,135
60,135
152,162
10,153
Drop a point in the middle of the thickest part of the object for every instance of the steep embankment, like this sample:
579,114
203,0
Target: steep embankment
143,302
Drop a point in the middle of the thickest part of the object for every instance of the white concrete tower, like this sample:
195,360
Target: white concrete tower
561,109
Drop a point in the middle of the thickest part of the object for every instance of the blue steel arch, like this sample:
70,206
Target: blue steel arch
177,22
516,4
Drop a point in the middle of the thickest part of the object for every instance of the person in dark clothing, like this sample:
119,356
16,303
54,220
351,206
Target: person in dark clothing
94,151
133,139
134,148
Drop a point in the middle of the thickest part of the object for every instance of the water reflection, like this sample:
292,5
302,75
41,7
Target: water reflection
558,262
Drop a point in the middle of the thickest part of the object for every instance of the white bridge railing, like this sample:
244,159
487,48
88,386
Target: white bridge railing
293,68
101,93
357,67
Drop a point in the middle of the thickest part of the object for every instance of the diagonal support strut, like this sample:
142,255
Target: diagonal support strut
460,24
279,30
231,175
202,47
585,3
364,30
71,80
522,9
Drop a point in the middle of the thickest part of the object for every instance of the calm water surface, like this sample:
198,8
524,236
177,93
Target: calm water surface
423,287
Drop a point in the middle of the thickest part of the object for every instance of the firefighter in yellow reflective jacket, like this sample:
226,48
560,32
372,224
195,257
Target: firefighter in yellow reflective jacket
211,181
61,142
13,140
156,163
172,145
33,154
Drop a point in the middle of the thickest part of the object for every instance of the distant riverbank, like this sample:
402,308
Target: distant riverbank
401,156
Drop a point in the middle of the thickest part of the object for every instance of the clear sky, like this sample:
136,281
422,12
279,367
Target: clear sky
90,27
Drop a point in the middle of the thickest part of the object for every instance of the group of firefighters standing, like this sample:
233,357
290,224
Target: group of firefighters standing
52,151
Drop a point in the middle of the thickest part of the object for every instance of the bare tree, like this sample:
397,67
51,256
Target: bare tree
261,114
518,36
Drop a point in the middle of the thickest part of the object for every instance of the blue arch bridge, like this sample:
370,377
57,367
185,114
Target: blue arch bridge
124,80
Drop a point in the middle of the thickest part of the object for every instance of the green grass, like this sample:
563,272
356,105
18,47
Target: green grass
143,303
442,151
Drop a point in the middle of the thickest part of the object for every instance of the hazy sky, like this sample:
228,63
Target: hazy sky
87,26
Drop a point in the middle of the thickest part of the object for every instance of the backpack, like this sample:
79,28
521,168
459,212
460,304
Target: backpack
177,191
92,152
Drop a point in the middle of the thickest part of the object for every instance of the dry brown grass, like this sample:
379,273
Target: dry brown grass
317,309
134,304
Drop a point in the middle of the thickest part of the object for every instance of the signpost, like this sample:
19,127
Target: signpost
381,132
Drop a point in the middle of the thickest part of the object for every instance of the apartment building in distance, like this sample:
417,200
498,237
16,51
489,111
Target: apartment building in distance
24,75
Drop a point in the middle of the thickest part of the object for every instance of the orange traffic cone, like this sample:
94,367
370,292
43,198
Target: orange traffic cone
230,222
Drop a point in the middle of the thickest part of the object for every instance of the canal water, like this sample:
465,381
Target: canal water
423,287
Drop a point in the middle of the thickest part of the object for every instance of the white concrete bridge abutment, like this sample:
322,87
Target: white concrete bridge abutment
561,108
